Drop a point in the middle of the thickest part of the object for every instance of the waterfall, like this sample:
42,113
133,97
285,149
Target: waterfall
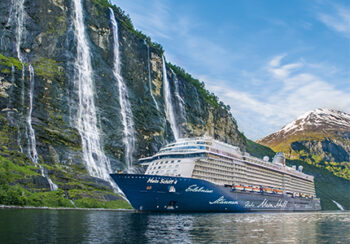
96,162
178,97
32,152
149,76
10,101
125,108
338,205
169,110
16,18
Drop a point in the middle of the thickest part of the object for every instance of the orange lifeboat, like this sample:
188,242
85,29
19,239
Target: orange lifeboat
267,189
248,188
238,187
256,189
278,191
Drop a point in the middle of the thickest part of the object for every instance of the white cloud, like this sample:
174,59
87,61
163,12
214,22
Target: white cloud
276,61
297,94
282,71
338,20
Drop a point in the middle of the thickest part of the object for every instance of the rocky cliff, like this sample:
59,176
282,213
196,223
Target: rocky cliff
82,91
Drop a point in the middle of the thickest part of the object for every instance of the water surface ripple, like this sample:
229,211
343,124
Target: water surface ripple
73,226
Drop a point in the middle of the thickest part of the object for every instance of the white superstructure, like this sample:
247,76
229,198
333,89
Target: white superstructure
223,164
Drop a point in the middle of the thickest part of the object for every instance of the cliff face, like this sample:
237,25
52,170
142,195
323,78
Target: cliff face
67,103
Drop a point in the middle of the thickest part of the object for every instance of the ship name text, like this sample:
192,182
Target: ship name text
222,200
161,181
195,188
266,204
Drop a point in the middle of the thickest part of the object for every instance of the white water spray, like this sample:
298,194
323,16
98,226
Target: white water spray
96,162
169,110
32,152
338,205
16,19
149,76
125,108
177,95
10,101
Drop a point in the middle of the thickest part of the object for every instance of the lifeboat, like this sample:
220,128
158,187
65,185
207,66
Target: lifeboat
256,189
238,187
248,188
267,189
278,191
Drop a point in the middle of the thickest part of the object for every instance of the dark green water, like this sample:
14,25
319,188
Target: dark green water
74,226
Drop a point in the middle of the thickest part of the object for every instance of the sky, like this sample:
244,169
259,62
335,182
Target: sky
270,60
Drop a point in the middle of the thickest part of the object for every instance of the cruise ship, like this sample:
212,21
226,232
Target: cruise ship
206,175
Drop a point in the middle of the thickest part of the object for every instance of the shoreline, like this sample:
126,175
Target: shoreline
64,208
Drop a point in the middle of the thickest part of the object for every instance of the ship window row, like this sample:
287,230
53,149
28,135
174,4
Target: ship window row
275,181
163,167
216,174
211,170
170,156
215,165
265,173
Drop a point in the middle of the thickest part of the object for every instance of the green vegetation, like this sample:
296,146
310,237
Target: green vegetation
9,61
258,150
209,97
46,68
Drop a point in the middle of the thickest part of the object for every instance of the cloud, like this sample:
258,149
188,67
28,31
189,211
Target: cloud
296,94
338,19
281,71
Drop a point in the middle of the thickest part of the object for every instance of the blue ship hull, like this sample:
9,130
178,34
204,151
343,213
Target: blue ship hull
178,194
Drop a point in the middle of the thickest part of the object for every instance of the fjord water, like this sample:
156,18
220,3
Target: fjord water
79,226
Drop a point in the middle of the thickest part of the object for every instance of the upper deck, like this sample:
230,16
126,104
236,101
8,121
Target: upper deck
206,147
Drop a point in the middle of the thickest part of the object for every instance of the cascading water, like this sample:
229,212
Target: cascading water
169,110
178,97
338,205
125,108
94,158
149,76
32,152
16,20
10,101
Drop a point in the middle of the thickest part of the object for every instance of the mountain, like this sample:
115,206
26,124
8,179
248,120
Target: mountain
82,93
320,137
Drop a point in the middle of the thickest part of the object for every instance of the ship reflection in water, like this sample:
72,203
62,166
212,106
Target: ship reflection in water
70,226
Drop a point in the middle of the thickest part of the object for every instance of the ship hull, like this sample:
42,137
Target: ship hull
179,194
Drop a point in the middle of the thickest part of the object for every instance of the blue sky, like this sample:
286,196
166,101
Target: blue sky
270,60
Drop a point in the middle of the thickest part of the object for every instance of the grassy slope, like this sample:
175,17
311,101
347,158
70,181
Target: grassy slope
328,186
